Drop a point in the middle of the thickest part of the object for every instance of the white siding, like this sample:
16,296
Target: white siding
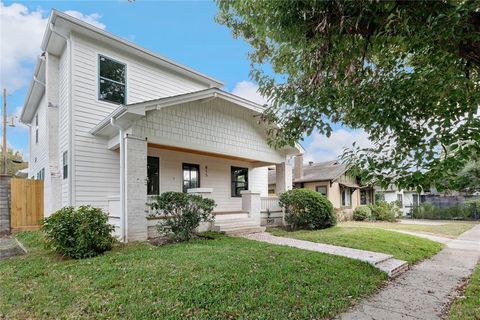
39,151
216,126
95,167
63,116
214,173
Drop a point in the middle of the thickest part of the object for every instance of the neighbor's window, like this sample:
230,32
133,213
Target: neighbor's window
346,197
41,174
239,180
111,83
65,164
36,128
365,197
322,190
400,200
191,176
153,169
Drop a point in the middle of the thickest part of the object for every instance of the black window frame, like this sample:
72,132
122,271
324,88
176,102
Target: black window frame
65,164
153,183
190,166
235,190
100,78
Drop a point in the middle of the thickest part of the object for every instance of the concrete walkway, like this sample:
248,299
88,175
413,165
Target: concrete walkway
382,261
432,237
10,247
423,291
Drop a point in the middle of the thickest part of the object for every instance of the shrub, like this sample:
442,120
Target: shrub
362,213
307,209
456,212
384,211
78,233
182,213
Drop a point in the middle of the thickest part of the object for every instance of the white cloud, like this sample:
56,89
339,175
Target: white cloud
21,35
322,148
88,18
21,32
249,91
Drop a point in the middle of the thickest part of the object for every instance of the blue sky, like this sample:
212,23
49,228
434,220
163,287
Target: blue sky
182,31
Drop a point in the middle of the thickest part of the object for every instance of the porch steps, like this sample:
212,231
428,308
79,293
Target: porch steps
238,226
393,267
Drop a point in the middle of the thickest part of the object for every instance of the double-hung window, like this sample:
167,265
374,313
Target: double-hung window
112,80
346,197
239,180
191,176
153,170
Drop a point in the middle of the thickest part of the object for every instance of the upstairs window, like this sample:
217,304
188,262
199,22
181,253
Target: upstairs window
111,83
41,174
191,176
65,164
239,180
36,128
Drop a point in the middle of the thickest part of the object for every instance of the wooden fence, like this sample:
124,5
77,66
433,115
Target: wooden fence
26,204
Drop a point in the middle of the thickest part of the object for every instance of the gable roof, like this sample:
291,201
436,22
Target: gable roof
126,115
64,24
320,171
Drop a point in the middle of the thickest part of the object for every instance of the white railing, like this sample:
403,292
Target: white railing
148,210
270,204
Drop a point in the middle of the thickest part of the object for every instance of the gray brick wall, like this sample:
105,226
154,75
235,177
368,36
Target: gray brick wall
4,205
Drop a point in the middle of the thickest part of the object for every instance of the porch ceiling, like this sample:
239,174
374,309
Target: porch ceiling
208,154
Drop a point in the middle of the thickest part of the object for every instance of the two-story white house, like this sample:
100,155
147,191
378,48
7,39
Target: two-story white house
112,124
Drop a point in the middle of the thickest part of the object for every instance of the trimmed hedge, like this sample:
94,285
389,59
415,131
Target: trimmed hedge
78,233
307,209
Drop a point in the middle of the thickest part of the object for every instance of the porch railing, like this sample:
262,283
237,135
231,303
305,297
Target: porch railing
270,204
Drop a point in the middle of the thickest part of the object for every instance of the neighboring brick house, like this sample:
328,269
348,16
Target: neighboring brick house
331,179
112,124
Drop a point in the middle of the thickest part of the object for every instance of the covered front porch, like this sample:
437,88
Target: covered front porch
208,142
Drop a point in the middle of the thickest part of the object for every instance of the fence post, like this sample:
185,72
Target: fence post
4,204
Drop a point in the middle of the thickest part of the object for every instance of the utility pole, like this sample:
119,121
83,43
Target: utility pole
4,131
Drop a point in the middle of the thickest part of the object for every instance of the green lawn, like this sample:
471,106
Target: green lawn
224,278
449,229
401,246
467,306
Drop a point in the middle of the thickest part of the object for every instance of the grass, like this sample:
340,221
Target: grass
401,246
467,306
449,229
223,278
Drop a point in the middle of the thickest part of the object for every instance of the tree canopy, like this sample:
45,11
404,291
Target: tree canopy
406,72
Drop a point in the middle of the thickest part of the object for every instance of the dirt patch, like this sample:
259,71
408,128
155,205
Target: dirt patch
458,293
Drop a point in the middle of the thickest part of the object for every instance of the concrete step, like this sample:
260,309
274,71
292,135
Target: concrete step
244,230
393,267
230,216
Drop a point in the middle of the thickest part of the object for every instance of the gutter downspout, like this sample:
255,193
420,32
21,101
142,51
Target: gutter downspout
70,115
121,134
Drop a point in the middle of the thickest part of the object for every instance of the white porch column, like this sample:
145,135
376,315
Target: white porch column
283,177
135,188
251,203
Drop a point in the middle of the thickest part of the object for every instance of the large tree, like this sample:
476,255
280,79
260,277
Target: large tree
406,72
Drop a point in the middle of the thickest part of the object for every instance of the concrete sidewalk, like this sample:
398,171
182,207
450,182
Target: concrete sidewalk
423,291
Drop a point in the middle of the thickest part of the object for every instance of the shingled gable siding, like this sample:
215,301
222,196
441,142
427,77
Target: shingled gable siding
216,126
96,167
